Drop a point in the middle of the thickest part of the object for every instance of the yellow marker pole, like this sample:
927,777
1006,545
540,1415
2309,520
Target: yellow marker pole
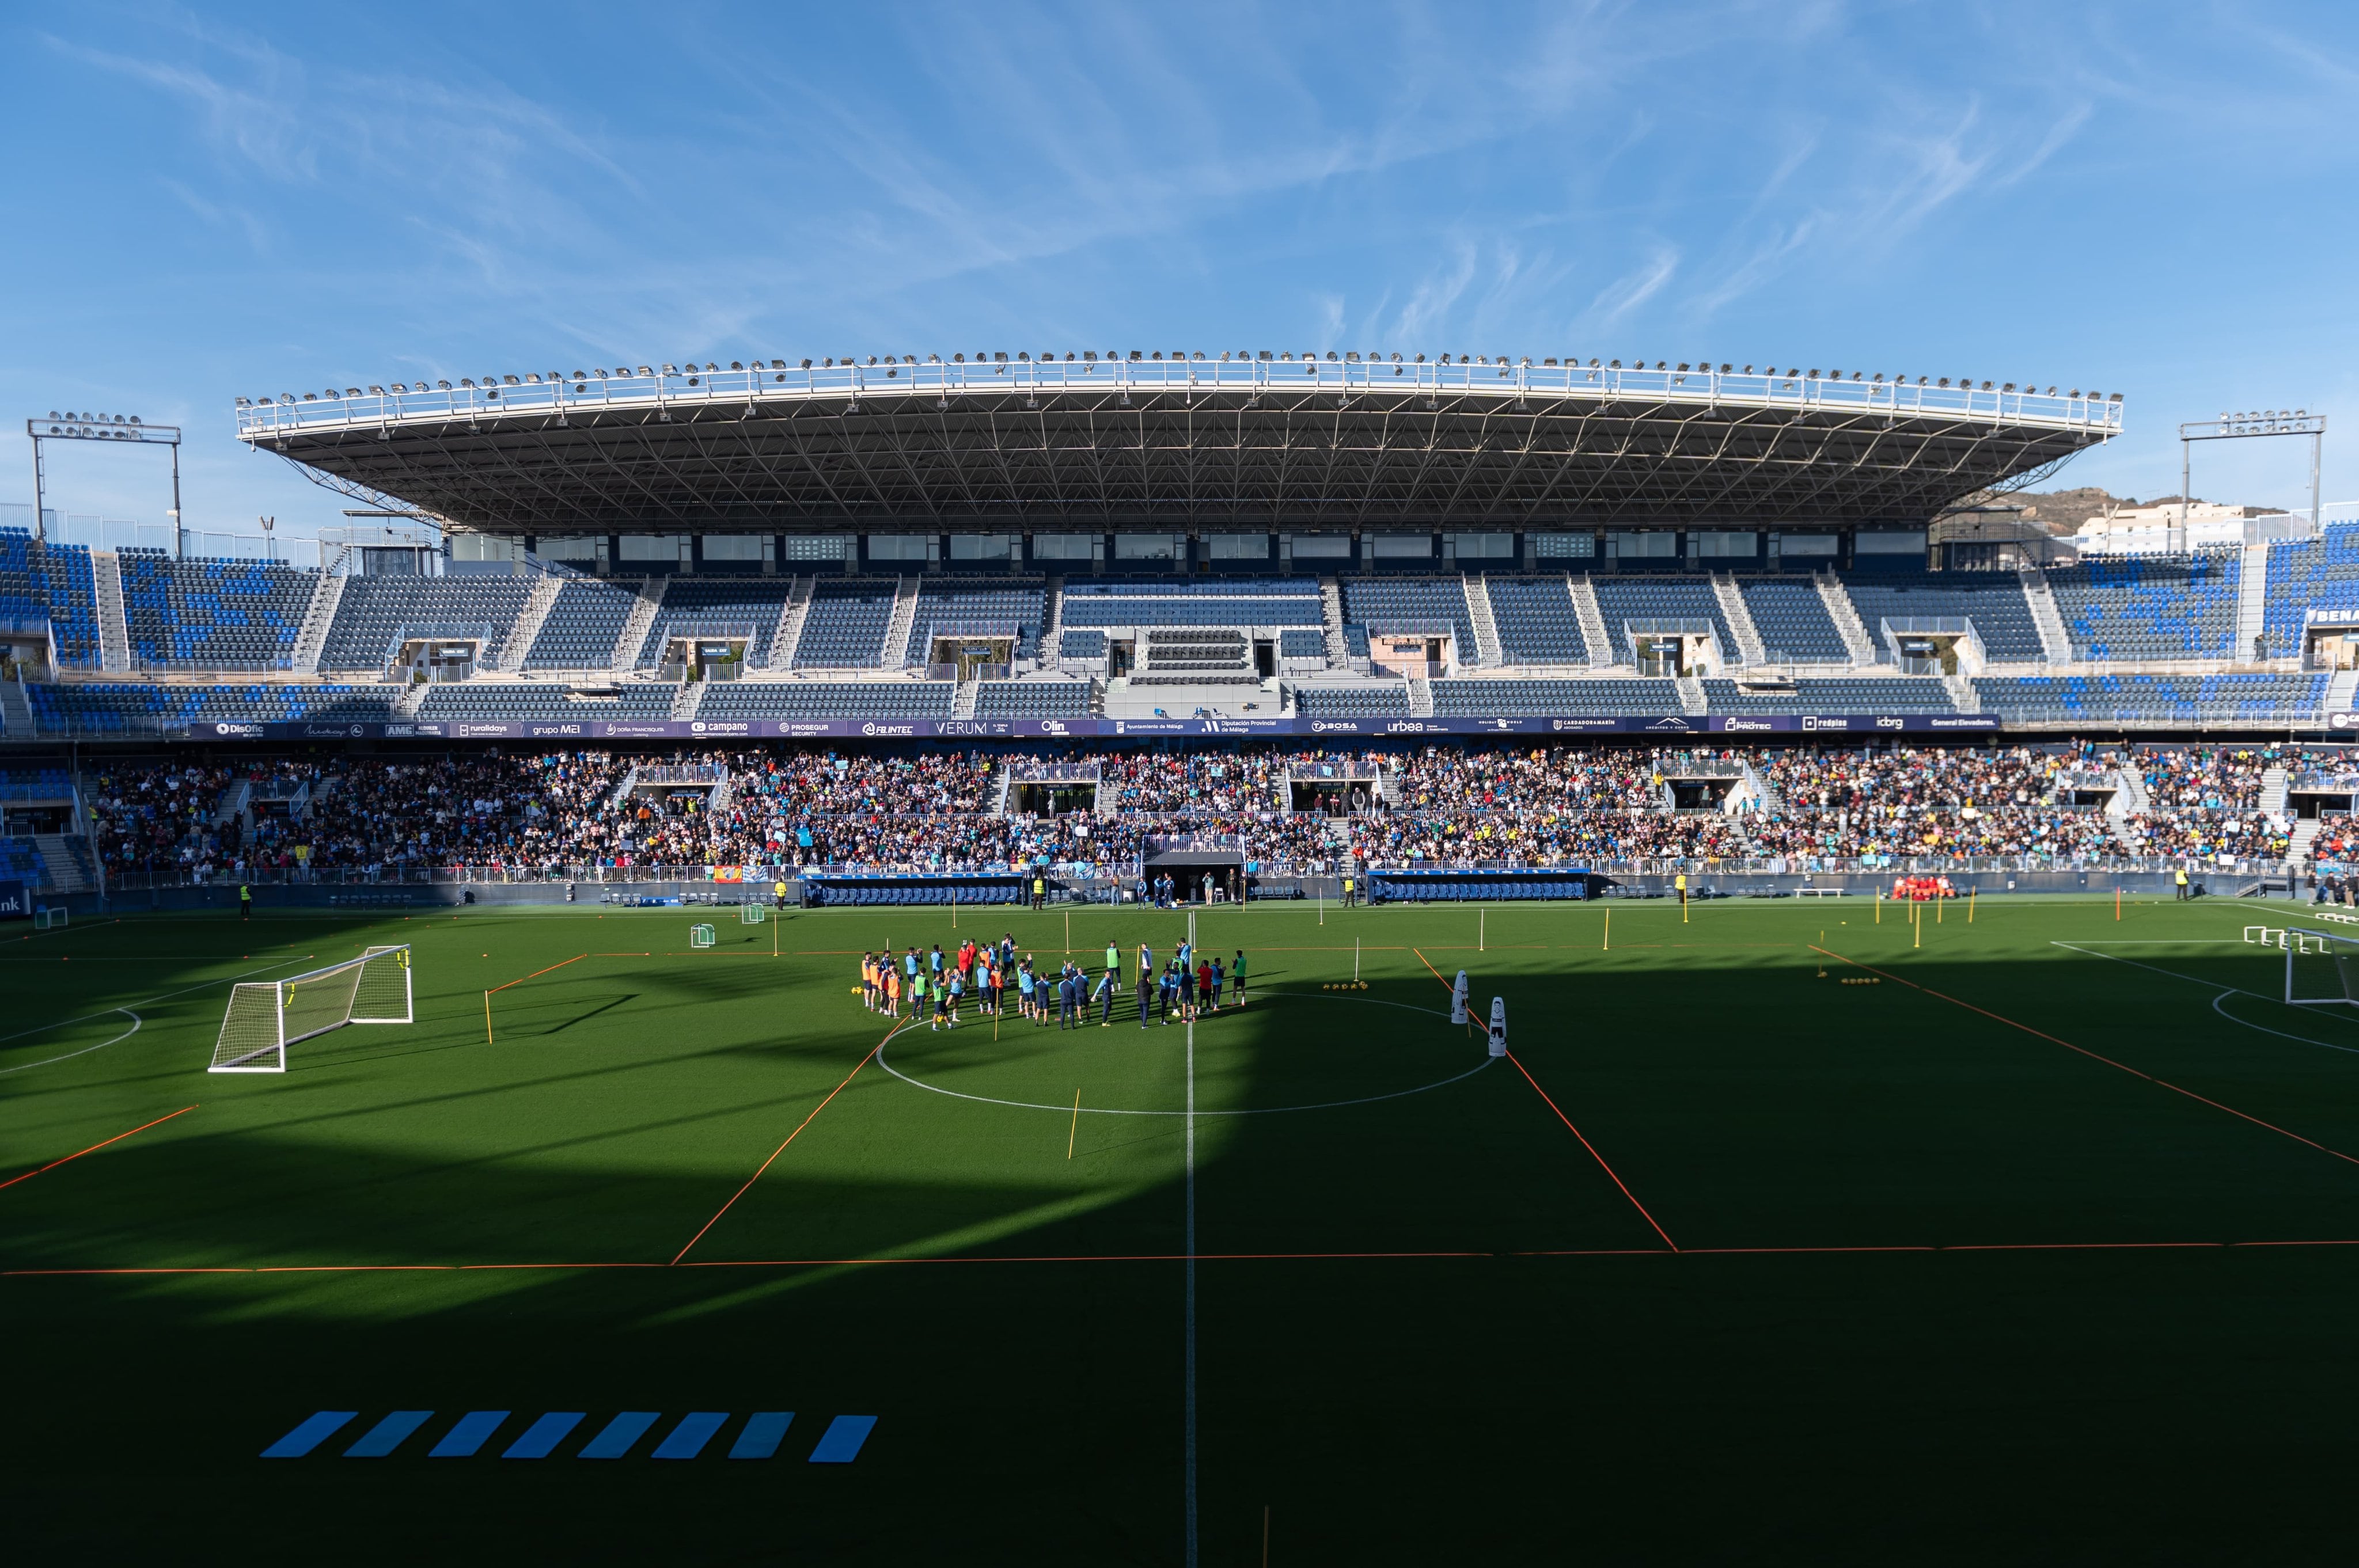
2117,900
1069,934
1970,905
487,1018
1076,1128
1609,931
1918,940
1481,925
1879,905
1938,909
1683,906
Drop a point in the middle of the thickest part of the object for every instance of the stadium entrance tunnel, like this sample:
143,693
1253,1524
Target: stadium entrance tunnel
1485,887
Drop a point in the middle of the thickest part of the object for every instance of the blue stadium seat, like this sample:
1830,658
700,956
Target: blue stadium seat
1384,604
1032,700
1021,606
2149,607
219,614
1993,601
1536,621
1627,598
584,621
1842,694
1793,622
829,699
1486,698
694,606
843,629
375,608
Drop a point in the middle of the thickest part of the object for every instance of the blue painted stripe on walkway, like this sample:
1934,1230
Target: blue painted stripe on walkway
475,1429
688,1438
388,1434
308,1434
764,1431
619,1435
543,1435
840,1444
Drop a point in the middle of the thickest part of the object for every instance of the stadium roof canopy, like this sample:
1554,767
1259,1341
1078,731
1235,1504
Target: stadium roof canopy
1178,442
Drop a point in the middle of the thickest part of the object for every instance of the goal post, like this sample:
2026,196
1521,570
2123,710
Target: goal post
2321,968
264,1017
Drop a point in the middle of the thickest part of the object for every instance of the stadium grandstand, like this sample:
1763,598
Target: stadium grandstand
1538,611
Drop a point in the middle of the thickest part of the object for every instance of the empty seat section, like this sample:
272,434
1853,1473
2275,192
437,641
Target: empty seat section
126,706
1387,701
1793,622
2306,575
2149,607
1300,642
1486,698
53,582
844,627
212,615
541,702
1273,601
2211,699
829,699
374,610
583,625
1032,700
1536,621
1081,642
1622,600
1411,605
1993,601
710,607
978,607
1893,694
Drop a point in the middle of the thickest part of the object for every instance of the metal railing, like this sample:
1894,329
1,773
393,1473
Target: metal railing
1490,378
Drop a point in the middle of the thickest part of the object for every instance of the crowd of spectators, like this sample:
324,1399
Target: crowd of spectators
544,813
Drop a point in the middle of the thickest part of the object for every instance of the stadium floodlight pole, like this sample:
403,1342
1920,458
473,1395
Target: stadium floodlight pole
103,427
2245,427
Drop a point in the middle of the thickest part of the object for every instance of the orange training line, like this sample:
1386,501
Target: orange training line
781,1149
2093,1055
1593,1154
1431,970
536,974
94,1148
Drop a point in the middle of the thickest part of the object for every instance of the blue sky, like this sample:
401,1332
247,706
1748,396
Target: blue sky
2145,199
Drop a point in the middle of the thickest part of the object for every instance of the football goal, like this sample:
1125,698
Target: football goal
264,1017
2321,968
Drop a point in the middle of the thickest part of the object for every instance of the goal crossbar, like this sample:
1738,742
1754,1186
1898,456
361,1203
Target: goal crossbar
266,1017
2321,968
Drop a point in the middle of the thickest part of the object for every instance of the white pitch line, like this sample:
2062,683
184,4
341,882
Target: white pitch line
1192,1288
2223,992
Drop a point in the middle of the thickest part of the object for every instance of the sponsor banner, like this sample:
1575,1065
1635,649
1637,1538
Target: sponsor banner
2343,720
14,905
1372,728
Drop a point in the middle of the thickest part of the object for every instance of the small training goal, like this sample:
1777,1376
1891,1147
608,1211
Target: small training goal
266,1017
2321,968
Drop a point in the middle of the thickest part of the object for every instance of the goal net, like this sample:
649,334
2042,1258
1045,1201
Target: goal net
2321,968
266,1017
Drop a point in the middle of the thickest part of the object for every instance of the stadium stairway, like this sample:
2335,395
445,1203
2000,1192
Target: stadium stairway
320,614
518,641
2046,618
1602,654
2297,842
642,621
1739,619
1692,698
1486,627
904,619
1845,615
1963,694
15,713
1330,616
67,861
1421,698
113,628
2253,602
2273,788
689,698
2340,688
789,630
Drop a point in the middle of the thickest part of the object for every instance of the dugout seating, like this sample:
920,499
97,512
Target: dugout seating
1993,601
373,609
1536,621
584,621
1022,606
211,613
829,699
2149,607
1793,622
843,628
1442,886
1178,602
982,888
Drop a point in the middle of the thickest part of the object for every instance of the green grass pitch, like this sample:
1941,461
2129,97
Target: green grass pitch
2043,1248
